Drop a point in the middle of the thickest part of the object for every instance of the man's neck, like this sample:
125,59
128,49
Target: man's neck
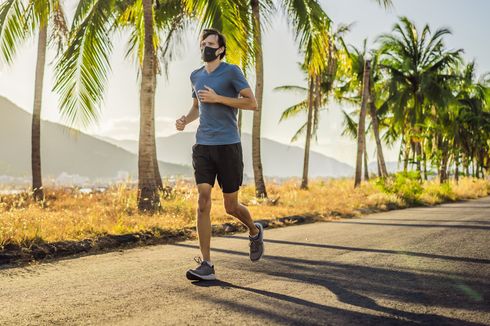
212,65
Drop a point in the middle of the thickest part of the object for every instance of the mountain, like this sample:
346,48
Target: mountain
279,160
65,151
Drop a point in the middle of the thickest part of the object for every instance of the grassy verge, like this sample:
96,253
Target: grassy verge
70,216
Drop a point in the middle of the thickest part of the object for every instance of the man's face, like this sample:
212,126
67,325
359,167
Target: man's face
212,41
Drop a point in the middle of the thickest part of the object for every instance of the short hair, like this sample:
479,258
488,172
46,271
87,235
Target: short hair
221,38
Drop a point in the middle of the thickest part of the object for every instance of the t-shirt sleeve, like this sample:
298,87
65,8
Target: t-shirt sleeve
193,93
238,79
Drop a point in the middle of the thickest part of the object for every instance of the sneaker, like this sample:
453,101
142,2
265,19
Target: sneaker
203,272
257,244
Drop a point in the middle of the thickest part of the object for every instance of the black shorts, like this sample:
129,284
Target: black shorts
222,161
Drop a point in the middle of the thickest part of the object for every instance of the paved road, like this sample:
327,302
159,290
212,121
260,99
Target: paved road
414,266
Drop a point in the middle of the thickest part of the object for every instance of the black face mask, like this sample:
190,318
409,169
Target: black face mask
208,54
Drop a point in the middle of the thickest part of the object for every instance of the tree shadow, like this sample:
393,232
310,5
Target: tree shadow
426,220
381,251
356,285
316,313
418,225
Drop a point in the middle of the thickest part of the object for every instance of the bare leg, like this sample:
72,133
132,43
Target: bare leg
234,208
204,219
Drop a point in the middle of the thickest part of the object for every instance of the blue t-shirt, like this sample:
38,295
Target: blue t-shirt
218,122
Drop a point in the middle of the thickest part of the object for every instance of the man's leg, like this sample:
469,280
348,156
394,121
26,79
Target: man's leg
204,219
234,208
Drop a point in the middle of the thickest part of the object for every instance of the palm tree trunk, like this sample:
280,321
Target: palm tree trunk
424,160
37,184
380,174
366,168
456,169
306,159
148,199
361,132
260,189
158,178
379,147
418,151
406,156
443,168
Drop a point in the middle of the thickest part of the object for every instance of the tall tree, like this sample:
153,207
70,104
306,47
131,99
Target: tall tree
82,71
361,131
18,21
416,63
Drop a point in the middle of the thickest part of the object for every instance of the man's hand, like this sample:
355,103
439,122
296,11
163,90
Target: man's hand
208,95
180,123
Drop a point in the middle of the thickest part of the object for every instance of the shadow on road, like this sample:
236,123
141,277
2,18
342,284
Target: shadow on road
425,220
444,226
355,285
381,251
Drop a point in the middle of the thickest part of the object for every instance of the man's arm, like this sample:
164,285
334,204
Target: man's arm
191,116
246,101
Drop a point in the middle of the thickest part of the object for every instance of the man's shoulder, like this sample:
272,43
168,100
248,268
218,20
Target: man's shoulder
196,71
231,66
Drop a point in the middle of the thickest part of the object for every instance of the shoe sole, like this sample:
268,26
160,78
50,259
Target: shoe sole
195,277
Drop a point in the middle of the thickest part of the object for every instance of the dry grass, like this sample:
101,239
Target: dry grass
69,214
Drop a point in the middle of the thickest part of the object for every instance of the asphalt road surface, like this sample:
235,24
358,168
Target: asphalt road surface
428,266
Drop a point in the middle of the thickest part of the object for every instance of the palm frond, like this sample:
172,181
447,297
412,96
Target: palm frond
311,27
294,110
81,73
300,132
13,29
350,126
292,88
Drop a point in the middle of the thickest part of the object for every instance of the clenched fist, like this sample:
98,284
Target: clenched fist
180,123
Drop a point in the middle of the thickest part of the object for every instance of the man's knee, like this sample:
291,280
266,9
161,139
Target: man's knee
204,203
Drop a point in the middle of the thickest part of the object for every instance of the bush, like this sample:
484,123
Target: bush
406,185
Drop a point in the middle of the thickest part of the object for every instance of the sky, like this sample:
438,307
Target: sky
120,110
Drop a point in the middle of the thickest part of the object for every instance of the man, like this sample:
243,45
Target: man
219,89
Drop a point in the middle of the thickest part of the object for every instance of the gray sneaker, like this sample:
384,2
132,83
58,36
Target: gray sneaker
257,244
203,272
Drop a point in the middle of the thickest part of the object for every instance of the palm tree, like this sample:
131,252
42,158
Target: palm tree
416,64
18,21
356,91
317,95
82,70
361,131
469,127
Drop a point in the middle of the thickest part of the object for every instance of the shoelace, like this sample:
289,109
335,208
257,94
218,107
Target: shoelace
198,260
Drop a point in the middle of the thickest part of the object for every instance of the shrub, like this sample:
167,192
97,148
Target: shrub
406,185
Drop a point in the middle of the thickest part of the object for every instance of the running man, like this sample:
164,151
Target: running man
219,89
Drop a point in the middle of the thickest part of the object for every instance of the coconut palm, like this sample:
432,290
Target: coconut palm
317,95
82,71
19,20
469,129
416,63
375,105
